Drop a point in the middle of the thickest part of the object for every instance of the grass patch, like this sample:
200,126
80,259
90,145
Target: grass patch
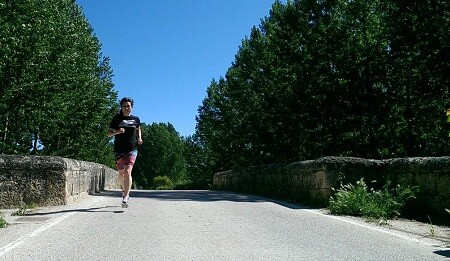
3,223
432,230
23,209
360,200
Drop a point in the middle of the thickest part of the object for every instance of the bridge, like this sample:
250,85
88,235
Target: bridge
79,215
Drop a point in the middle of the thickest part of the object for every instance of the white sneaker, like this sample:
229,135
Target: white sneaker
125,203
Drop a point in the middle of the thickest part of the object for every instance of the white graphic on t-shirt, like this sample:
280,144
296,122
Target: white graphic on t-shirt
127,123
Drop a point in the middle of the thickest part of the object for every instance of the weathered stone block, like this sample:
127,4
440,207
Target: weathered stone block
47,181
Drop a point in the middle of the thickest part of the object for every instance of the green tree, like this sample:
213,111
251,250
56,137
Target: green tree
162,154
212,128
358,47
345,78
57,89
419,62
198,169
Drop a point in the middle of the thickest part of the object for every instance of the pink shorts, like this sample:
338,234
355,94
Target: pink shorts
125,159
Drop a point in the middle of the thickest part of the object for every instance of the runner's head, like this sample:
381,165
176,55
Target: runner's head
126,104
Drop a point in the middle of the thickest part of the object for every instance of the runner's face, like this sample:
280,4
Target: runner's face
126,108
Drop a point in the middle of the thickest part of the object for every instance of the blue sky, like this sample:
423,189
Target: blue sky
164,53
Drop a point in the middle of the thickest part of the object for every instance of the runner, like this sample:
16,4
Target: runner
126,130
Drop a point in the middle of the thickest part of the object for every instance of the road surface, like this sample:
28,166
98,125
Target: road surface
202,225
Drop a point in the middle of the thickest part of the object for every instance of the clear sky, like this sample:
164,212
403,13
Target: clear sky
164,53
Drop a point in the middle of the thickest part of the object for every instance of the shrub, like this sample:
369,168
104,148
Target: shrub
359,200
3,222
162,183
23,209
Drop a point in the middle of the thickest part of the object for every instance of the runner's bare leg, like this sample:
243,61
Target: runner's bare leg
122,181
127,180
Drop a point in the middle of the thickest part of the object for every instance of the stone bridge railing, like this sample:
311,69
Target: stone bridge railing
46,181
312,181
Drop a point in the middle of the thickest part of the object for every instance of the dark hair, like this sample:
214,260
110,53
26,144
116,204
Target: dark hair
123,100
126,99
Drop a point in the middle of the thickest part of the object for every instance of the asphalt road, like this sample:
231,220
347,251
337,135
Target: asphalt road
202,225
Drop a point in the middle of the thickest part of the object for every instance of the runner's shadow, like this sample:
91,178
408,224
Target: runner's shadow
92,210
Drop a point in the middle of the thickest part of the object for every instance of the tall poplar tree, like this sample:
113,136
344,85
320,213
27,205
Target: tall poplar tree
56,87
419,78
344,78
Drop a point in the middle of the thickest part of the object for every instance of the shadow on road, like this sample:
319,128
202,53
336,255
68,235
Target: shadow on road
173,195
445,253
201,196
93,210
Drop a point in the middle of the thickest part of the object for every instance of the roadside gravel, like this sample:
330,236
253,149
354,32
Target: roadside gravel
411,227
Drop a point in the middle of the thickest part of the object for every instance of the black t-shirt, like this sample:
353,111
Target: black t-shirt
125,142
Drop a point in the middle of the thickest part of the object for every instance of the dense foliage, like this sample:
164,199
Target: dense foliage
317,77
161,154
56,90
162,183
333,77
200,170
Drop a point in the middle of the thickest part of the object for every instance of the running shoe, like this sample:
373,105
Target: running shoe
125,203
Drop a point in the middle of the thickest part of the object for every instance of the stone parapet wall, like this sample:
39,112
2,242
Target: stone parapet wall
430,174
47,181
312,182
